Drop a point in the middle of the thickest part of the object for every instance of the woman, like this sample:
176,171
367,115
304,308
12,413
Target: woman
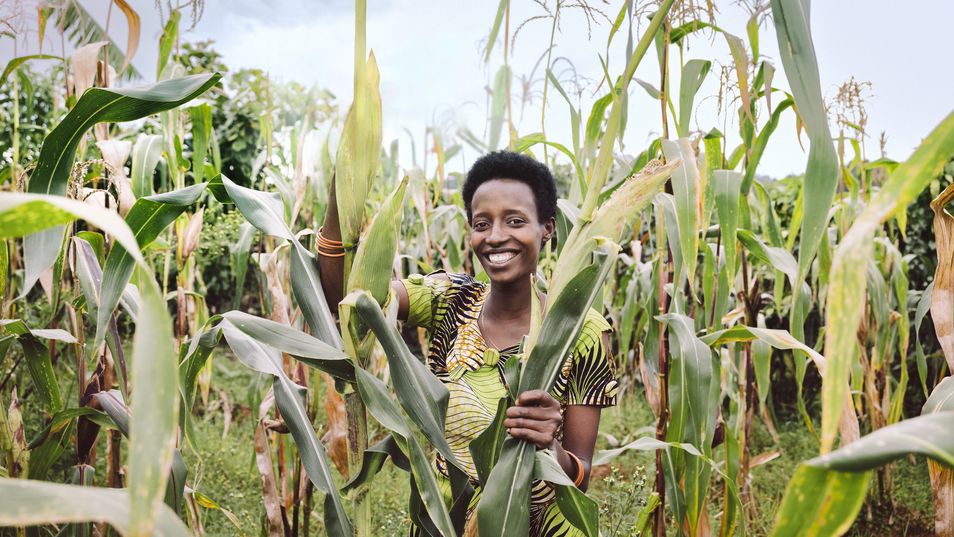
474,327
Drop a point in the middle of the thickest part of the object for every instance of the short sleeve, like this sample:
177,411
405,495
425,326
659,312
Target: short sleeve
592,378
427,300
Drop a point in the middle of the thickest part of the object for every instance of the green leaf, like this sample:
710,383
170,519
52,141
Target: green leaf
727,185
201,117
420,393
381,405
17,62
356,162
55,162
30,503
578,508
693,74
303,347
847,284
600,170
485,449
686,190
931,435
23,214
524,143
374,260
941,399
819,503
778,258
924,306
264,211
155,408
145,156
761,142
502,8
38,360
792,27
373,460
147,218
289,399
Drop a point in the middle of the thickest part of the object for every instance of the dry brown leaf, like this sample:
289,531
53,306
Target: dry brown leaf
336,434
115,153
192,233
764,458
84,61
942,300
649,383
132,25
263,460
942,486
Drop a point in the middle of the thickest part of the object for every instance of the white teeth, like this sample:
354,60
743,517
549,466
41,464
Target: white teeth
501,257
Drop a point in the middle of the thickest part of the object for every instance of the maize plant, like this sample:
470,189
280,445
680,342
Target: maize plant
725,296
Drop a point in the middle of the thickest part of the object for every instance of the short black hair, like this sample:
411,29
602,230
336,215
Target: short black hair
519,167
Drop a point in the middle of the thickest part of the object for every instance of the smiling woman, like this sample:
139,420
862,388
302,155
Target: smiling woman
475,328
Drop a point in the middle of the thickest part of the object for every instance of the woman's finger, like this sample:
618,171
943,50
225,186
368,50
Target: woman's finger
536,398
534,413
543,426
539,439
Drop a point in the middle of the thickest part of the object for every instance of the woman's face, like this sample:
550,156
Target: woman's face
506,233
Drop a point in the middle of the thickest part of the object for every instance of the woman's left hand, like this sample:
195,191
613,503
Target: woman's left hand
536,418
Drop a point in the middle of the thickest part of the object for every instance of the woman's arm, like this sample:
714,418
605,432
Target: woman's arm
331,269
536,418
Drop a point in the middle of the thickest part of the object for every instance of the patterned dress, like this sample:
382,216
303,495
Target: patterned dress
448,310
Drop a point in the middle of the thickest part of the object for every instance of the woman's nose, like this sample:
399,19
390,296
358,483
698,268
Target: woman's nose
497,235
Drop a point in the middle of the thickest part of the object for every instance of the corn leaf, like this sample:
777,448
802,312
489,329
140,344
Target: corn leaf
374,260
356,162
264,211
38,361
693,75
687,191
30,503
578,508
381,405
942,297
23,214
145,157
290,400
846,291
305,348
422,396
59,148
148,218
820,503
600,170
153,431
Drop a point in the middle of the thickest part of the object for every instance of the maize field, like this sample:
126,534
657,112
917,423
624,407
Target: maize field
169,364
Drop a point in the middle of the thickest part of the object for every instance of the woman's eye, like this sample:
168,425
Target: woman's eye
480,226
515,221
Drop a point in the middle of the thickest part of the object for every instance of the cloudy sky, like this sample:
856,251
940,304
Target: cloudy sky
432,72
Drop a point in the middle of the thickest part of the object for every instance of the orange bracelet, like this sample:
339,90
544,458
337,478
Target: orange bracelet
580,472
329,247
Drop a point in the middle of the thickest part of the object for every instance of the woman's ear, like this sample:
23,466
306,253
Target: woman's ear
548,228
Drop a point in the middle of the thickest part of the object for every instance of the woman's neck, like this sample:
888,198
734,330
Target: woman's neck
509,301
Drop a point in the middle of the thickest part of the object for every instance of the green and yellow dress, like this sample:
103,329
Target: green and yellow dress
448,310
